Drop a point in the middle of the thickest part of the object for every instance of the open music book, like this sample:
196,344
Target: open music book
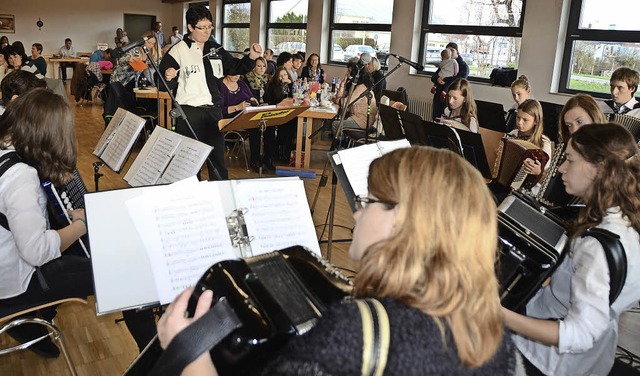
167,157
169,235
118,139
356,161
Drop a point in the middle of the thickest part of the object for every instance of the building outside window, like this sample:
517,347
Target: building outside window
488,33
601,37
287,26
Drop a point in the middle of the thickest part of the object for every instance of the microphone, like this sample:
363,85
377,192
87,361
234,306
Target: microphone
118,52
410,63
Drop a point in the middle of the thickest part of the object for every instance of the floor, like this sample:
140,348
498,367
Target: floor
102,346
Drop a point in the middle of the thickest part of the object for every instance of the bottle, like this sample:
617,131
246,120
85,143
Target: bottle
333,84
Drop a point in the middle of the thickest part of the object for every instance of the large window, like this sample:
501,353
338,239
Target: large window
601,36
488,33
236,22
287,27
359,26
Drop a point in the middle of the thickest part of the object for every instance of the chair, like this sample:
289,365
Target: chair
396,95
12,317
237,139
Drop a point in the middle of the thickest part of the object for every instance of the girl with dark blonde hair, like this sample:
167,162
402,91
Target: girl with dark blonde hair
428,261
581,109
529,127
461,111
571,327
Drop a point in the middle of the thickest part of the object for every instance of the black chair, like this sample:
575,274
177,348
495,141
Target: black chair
551,114
491,116
397,95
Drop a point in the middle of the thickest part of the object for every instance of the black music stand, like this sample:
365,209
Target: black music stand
465,143
390,117
413,128
255,117
491,116
551,115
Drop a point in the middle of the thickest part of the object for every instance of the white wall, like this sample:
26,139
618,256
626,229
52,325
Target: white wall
85,22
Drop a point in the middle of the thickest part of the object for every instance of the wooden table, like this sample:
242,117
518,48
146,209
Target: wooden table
305,127
54,63
164,104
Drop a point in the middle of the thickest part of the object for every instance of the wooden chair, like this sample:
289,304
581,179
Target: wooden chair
12,318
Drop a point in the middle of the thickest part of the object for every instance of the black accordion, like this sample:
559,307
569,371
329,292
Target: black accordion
532,243
276,296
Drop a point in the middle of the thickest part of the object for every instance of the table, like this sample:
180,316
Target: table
305,127
164,104
54,64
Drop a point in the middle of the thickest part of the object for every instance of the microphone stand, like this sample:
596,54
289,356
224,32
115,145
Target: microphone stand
180,111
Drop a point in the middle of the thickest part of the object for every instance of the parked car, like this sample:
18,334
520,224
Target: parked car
338,53
355,50
383,54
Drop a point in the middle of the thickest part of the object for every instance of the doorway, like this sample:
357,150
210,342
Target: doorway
137,24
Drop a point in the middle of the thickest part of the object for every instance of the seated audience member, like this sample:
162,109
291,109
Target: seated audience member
520,91
4,42
570,327
271,65
358,108
285,59
313,70
461,111
279,89
38,266
66,51
439,103
16,83
377,76
37,59
18,60
257,80
298,59
4,65
430,266
100,55
623,84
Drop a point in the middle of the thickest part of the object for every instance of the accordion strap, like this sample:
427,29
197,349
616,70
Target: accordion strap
197,338
616,259
375,336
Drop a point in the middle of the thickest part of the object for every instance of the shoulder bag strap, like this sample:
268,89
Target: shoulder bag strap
616,259
7,161
376,335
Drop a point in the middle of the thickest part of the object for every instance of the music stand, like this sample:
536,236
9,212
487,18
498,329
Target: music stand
255,117
413,128
445,137
491,116
551,115
391,124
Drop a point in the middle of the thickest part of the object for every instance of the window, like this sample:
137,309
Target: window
236,21
359,26
488,33
287,26
601,37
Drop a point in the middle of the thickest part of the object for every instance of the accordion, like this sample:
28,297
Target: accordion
513,153
631,123
532,243
276,296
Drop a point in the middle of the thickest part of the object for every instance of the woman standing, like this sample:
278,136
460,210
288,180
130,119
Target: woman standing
571,327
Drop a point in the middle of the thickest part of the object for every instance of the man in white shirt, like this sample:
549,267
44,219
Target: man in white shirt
66,51
623,83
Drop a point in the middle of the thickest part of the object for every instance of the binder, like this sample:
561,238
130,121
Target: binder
139,236
167,157
117,140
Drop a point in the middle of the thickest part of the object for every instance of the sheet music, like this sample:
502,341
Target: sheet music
109,132
184,231
122,140
167,157
277,214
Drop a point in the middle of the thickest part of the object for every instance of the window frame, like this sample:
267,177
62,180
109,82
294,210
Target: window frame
233,25
574,33
500,31
333,26
283,25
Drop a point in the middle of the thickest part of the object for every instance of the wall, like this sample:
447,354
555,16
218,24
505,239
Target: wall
85,22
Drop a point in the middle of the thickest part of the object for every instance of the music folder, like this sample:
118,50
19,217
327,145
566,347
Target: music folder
117,140
150,243
167,157
251,117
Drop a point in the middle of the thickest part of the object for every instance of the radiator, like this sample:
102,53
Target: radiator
422,107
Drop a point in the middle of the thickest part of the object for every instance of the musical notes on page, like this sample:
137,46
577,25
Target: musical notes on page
277,214
120,136
184,231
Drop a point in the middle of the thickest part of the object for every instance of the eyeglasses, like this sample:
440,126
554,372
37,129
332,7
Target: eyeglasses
203,28
363,201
